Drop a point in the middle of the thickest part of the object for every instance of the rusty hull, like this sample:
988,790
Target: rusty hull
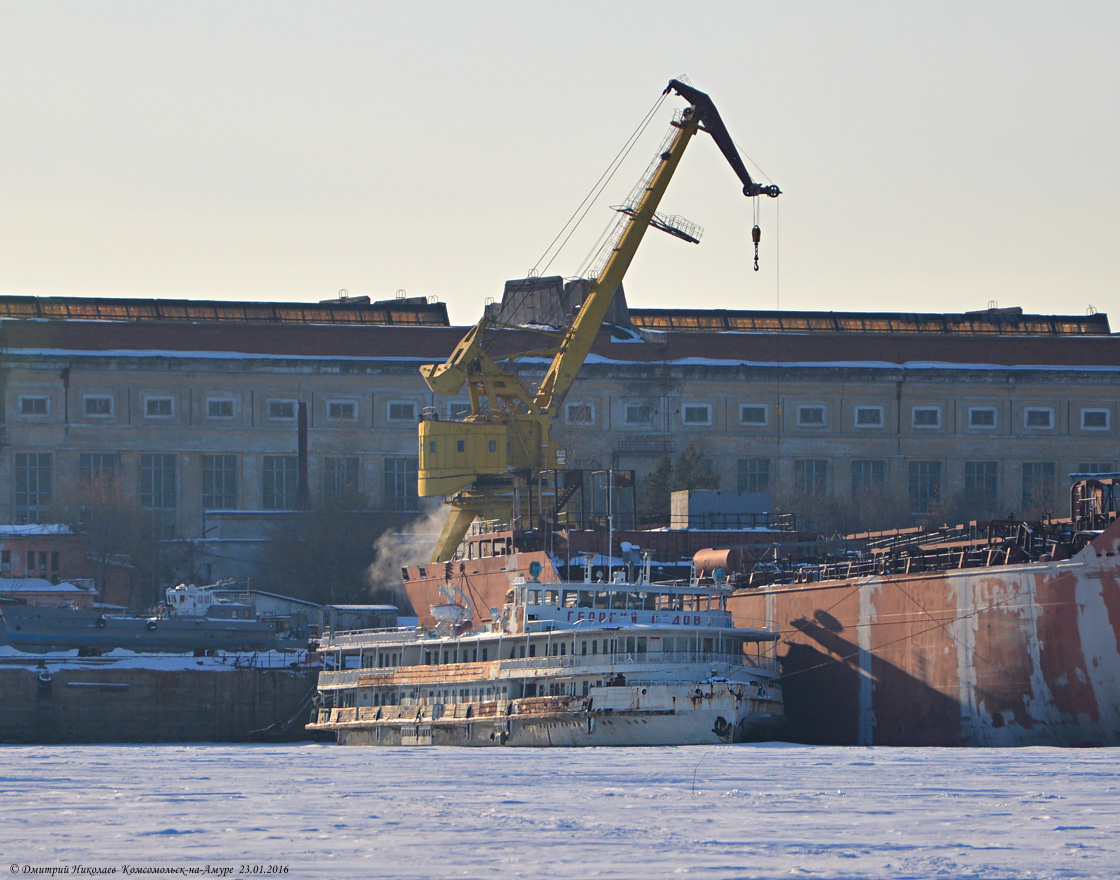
1000,656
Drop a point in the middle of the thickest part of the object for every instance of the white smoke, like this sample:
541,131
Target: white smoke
411,544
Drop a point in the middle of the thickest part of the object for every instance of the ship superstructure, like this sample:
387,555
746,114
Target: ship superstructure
559,664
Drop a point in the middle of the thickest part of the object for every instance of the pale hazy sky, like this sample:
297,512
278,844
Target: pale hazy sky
934,156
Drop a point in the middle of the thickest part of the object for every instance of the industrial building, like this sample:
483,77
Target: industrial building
218,417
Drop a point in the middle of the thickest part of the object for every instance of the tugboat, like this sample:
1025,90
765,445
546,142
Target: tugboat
559,664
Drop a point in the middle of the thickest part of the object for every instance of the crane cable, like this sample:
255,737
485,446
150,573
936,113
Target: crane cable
578,216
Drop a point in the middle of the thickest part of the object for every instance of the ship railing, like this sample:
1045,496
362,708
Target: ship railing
619,659
357,637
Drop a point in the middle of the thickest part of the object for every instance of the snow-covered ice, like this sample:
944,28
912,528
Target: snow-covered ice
718,812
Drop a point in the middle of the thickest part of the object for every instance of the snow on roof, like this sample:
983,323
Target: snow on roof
36,529
37,585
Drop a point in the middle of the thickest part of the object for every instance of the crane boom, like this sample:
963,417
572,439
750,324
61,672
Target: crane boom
476,459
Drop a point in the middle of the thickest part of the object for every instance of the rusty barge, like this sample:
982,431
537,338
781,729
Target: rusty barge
985,634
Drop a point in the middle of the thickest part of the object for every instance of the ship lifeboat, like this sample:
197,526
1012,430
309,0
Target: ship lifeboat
449,612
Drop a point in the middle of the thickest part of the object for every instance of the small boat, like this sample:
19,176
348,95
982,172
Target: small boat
193,620
559,664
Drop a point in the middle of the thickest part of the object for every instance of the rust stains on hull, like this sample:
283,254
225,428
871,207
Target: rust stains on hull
1010,655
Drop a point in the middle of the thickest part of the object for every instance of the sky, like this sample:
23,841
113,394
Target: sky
933,157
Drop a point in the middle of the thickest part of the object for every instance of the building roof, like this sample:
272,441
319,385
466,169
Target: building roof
999,338
414,310
994,321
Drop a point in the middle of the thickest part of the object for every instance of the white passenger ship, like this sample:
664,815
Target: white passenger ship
560,664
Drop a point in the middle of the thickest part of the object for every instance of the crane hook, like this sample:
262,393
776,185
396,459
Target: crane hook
756,234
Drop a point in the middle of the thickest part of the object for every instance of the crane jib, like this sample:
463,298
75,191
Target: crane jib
508,430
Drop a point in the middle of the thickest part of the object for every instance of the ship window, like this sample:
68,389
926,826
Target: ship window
550,597
583,647
571,599
460,446
594,646
484,653
563,649
586,599
532,650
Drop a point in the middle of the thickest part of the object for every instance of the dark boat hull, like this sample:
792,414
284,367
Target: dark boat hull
38,628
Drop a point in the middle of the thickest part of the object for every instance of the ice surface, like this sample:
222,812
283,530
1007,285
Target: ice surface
712,812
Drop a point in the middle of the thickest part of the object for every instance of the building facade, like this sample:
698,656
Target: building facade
203,415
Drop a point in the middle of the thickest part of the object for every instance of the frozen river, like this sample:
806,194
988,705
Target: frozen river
720,812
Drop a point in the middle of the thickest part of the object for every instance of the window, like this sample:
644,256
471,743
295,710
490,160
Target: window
811,476
869,417
696,414
219,408
342,410
97,405
810,416
1094,419
458,410
981,486
1036,417
1095,467
97,467
754,475
340,477
157,482
981,417
400,484
868,477
33,474
279,482
34,406
1038,486
581,414
281,409
400,411
638,414
753,414
159,489
925,484
158,407
219,482
926,417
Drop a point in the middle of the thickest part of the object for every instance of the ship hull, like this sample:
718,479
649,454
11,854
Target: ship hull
621,716
1001,656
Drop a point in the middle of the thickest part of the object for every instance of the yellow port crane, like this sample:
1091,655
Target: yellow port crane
477,460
